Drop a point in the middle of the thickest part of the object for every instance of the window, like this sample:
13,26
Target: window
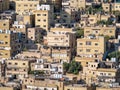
44,25
87,31
110,31
87,50
96,31
6,54
6,42
38,14
56,38
44,14
4,24
44,20
96,50
96,44
9,63
88,43
101,73
81,50
16,63
81,44
38,20
5,36
25,5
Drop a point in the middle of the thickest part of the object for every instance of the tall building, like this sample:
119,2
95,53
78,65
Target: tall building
9,44
100,30
26,6
62,42
78,4
91,46
18,68
44,17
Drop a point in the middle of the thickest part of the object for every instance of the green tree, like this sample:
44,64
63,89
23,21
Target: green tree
115,54
73,67
79,33
107,37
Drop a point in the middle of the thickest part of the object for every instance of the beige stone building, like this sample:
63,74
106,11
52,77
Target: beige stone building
91,46
18,68
29,19
75,87
32,83
91,20
62,42
9,45
4,5
100,30
33,35
60,37
78,4
84,60
44,16
26,6
94,73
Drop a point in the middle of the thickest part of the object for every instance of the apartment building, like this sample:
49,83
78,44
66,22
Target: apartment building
29,20
100,73
33,35
62,42
9,44
26,6
59,40
18,68
100,30
60,37
68,14
44,16
45,84
76,87
4,5
54,69
79,4
56,3
91,46
84,60
91,20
